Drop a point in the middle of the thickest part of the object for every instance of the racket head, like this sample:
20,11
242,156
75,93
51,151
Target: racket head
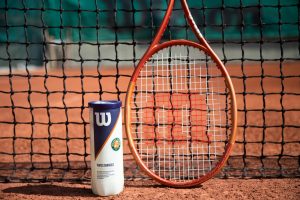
180,114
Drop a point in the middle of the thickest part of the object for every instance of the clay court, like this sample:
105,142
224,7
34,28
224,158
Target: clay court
71,171
213,189
55,57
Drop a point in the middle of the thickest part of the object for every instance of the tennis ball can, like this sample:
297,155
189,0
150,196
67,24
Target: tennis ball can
106,147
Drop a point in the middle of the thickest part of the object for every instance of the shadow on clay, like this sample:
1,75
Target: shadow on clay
50,190
151,184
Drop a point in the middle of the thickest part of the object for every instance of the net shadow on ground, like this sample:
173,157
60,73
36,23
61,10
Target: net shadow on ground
79,172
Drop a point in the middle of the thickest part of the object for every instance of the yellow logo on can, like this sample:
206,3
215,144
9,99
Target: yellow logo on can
116,144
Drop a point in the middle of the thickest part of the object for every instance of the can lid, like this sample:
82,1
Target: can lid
105,104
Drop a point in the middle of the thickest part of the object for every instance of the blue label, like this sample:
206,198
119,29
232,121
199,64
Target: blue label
104,125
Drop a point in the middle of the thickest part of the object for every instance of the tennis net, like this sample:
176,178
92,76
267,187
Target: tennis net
56,56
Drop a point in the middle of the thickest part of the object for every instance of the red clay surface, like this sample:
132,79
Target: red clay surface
67,107
212,189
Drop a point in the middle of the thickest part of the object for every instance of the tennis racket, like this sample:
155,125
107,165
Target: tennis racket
180,111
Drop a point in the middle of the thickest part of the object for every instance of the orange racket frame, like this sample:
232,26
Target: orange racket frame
203,46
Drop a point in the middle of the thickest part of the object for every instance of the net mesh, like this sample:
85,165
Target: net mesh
56,56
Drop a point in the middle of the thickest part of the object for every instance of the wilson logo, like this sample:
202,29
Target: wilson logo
101,120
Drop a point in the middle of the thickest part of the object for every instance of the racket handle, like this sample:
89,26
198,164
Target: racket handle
192,23
163,25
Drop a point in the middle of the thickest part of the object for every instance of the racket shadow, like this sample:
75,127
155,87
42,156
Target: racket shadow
150,184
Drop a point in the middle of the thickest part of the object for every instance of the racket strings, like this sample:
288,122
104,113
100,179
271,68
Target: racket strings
178,115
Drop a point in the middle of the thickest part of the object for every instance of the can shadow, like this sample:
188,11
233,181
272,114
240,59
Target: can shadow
50,190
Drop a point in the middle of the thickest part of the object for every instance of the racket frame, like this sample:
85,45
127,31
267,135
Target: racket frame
204,47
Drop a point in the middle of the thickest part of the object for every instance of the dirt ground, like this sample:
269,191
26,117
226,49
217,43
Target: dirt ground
32,144
261,131
213,189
